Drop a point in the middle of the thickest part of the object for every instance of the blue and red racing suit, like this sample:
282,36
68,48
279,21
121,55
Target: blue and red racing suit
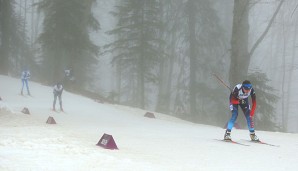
239,98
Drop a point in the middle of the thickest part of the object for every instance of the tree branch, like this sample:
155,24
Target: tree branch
266,30
294,10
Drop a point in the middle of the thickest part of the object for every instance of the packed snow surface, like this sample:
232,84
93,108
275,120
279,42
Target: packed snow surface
145,144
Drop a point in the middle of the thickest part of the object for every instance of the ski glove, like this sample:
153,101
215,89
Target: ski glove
231,107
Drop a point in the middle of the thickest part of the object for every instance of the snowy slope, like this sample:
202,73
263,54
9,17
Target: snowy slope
164,143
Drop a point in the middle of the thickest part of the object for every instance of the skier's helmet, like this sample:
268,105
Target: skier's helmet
59,85
246,85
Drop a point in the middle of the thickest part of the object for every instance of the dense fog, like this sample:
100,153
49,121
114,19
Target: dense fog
161,55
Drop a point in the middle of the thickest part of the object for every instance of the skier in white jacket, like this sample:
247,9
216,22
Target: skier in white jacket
58,89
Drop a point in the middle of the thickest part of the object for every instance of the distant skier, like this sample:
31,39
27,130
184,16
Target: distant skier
68,73
69,78
239,97
58,89
25,77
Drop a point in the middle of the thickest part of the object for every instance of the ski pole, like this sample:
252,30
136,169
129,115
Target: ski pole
222,82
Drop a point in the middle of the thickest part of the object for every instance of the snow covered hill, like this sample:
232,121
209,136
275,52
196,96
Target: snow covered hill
145,144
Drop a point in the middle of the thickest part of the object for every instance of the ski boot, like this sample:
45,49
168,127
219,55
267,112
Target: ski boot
253,136
227,136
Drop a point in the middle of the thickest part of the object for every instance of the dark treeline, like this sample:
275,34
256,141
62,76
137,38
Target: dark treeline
164,53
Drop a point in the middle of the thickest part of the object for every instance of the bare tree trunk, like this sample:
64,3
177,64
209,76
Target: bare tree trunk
25,19
32,23
293,60
36,25
266,30
239,53
192,58
141,72
119,79
181,88
291,71
164,100
240,58
165,81
5,40
169,82
284,114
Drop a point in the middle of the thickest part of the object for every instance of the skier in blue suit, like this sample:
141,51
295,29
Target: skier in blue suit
25,77
239,97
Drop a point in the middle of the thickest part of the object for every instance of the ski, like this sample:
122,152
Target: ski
27,95
261,142
57,111
232,142
23,95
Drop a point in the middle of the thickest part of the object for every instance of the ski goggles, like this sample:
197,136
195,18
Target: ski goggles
247,86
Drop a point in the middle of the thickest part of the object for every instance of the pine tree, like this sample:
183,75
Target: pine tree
202,39
65,40
137,46
266,100
5,13
14,51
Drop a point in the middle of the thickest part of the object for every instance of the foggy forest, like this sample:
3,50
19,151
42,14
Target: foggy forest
161,55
